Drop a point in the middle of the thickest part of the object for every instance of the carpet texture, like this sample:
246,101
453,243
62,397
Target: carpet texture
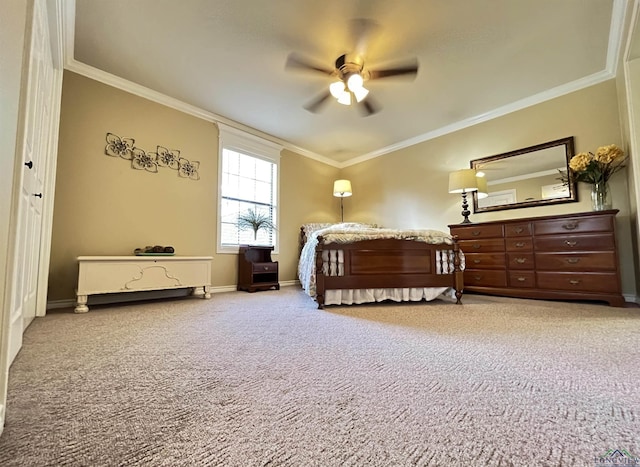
266,379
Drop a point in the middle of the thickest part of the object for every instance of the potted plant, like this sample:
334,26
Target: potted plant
252,219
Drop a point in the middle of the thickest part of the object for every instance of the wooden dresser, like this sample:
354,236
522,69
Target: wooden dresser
570,257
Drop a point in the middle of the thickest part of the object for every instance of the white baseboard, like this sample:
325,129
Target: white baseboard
631,298
152,294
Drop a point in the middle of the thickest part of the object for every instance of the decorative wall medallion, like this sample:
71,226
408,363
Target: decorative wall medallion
119,147
150,161
189,169
144,160
168,158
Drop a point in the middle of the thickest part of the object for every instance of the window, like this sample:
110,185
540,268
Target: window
248,182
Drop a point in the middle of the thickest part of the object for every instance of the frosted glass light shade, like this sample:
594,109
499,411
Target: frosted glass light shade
342,188
360,93
464,180
355,82
336,89
345,98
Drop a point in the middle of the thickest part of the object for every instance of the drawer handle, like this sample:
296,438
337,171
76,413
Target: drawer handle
520,244
521,279
266,268
570,243
520,260
570,226
476,246
574,281
476,261
573,260
519,230
477,277
475,233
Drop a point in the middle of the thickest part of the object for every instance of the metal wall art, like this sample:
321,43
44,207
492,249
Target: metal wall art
150,161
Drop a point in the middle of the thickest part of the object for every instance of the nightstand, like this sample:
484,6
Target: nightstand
256,270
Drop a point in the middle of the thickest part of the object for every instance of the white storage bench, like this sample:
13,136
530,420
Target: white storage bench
116,274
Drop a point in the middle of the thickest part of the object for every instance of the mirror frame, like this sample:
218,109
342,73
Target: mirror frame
569,153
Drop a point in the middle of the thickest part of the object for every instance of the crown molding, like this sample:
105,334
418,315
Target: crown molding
619,8
549,94
71,64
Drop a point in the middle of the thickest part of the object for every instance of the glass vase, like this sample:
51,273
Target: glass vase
600,196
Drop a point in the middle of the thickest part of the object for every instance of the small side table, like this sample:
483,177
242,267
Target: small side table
256,270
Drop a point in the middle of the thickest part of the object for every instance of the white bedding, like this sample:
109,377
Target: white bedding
350,232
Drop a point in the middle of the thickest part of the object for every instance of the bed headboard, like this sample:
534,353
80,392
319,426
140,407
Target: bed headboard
307,229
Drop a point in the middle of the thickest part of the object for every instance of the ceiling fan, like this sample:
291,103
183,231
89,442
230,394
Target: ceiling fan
349,76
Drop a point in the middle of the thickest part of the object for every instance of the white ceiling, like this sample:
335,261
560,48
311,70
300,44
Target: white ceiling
478,59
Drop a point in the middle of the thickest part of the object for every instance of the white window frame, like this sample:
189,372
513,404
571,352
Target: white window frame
254,146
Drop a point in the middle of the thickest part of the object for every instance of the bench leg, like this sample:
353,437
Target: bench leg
81,304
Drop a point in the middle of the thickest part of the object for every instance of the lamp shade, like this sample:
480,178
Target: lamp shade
342,188
463,180
483,191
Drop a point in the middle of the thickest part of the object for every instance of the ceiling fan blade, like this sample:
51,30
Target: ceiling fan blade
315,105
362,31
368,106
408,69
298,62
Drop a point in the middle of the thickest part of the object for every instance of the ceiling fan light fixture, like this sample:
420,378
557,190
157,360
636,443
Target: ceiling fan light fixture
345,98
355,82
360,93
337,89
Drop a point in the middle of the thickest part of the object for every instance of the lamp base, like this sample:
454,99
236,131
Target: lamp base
465,209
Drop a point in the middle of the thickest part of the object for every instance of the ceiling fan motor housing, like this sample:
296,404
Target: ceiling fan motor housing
348,65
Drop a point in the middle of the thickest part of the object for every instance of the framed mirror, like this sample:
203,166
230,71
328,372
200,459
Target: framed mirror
526,177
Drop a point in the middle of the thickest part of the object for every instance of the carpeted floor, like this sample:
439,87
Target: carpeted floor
266,379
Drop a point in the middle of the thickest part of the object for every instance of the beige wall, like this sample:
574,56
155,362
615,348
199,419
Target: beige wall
408,188
104,207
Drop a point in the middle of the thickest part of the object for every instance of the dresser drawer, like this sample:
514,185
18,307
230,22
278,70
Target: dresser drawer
573,225
477,231
595,261
485,277
522,279
518,230
265,267
484,260
579,282
586,242
520,260
482,246
519,244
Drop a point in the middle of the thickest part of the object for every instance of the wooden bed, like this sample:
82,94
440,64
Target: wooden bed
385,263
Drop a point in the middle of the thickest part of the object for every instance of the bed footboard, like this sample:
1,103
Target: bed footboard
387,263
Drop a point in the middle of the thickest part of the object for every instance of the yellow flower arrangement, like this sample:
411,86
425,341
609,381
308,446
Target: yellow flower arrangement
599,167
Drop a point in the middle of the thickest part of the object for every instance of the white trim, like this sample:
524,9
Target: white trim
249,143
615,39
71,303
154,96
630,298
632,101
254,146
616,32
55,19
549,94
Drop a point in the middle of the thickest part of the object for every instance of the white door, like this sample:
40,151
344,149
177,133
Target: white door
36,151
